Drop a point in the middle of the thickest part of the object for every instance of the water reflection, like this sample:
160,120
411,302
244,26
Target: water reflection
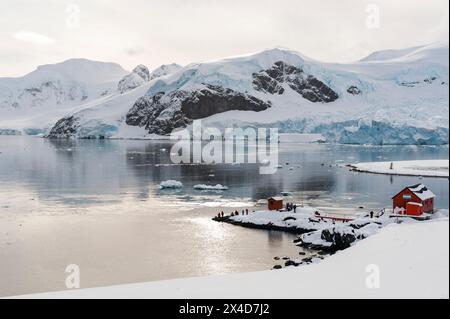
99,203
57,169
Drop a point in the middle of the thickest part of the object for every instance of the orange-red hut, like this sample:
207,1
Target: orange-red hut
275,203
414,200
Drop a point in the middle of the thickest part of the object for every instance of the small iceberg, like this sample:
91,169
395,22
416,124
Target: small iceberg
170,185
217,187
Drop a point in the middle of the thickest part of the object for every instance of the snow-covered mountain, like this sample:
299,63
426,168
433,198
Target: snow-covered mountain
72,81
390,97
164,70
139,76
34,102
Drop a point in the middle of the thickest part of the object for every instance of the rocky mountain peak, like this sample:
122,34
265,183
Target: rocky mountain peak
139,76
143,72
308,86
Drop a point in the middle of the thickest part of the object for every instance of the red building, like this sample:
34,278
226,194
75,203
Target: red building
275,203
414,200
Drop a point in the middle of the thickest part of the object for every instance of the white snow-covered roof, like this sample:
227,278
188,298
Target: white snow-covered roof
421,191
277,198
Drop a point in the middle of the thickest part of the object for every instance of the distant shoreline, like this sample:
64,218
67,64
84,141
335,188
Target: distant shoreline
421,168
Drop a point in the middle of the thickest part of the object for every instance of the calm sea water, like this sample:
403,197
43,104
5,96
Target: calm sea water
97,204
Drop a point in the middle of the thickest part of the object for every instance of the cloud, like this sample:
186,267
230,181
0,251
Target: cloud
33,38
134,51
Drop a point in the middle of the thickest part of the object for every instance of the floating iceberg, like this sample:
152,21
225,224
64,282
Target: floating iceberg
170,185
217,187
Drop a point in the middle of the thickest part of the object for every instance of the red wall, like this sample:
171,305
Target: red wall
275,205
428,205
414,210
400,201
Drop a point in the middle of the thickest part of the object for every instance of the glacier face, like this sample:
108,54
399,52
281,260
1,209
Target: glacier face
370,132
390,97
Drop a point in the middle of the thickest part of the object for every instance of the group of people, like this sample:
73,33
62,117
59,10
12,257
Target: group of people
236,213
291,207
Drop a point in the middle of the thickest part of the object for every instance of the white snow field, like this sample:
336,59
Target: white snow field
401,261
390,97
425,168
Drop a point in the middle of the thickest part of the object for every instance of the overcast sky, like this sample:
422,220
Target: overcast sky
154,32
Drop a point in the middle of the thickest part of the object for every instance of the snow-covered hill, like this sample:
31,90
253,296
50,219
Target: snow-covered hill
34,102
390,97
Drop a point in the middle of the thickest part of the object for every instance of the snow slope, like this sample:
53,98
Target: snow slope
401,261
390,97
102,91
35,101
425,168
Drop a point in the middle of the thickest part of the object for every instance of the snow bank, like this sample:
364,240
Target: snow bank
170,184
301,221
428,168
217,187
342,236
411,261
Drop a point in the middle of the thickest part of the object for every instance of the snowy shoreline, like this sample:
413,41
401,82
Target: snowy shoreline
400,253
318,232
423,168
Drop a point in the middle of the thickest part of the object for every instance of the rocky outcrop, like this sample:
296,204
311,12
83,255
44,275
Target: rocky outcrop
340,237
139,76
65,128
53,92
272,80
161,113
269,226
216,99
264,83
354,90
339,240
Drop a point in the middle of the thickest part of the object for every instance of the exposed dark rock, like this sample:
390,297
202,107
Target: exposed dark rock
64,128
216,99
354,90
430,80
162,113
277,267
291,263
264,83
302,253
308,86
339,241
156,115
410,84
